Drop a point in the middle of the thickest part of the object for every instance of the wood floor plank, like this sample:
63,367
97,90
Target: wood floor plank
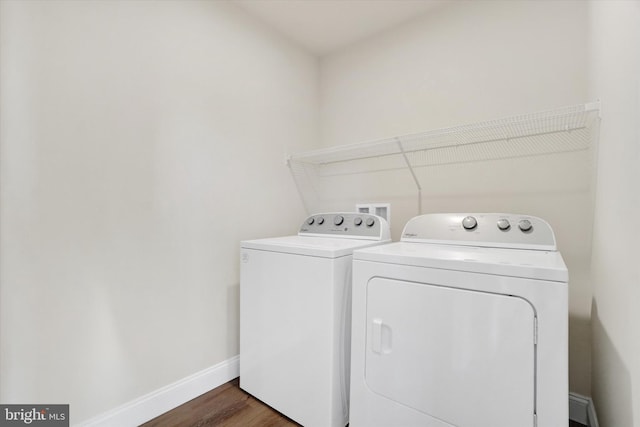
224,406
227,406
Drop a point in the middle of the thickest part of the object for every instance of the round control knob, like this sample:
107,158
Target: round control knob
357,221
469,223
503,224
310,221
525,225
320,220
370,222
338,220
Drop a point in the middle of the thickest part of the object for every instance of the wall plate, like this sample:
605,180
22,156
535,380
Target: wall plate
381,209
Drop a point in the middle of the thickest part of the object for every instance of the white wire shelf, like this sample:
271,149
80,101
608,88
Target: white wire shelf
561,130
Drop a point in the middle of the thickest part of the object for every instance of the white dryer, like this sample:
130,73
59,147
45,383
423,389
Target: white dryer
295,316
462,323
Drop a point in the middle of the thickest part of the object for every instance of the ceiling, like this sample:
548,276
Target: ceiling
324,26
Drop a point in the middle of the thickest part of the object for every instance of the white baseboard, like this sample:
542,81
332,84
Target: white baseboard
591,415
158,402
581,410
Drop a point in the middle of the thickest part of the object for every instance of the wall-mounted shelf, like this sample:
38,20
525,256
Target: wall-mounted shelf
560,130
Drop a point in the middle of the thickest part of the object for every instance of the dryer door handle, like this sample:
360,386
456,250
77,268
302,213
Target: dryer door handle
380,337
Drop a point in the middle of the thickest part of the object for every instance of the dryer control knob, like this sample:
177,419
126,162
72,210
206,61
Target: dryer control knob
370,222
310,221
320,220
503,224
339,219
357,221
469,223
525,225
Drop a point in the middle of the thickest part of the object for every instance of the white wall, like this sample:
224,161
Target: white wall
467,62
615,78
140,142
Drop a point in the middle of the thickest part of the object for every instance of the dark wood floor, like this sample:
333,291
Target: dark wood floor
225,406
228,406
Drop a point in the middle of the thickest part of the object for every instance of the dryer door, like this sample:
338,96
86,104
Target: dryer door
464,357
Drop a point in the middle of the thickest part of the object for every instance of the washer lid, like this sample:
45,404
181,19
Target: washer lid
310,245
530,264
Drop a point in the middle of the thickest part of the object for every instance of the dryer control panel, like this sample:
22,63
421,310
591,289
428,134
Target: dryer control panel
346,224
481,229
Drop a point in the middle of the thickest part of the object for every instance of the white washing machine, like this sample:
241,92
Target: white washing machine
462,323
295,316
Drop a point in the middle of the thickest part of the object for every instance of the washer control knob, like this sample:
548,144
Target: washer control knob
469,223
503,224
357,221
310,220
525,225
339,219
370,222
320,220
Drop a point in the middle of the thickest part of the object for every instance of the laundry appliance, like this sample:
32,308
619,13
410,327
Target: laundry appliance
295,314
462,323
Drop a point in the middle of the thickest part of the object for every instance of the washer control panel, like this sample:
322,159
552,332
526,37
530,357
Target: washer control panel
346,224
482,229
